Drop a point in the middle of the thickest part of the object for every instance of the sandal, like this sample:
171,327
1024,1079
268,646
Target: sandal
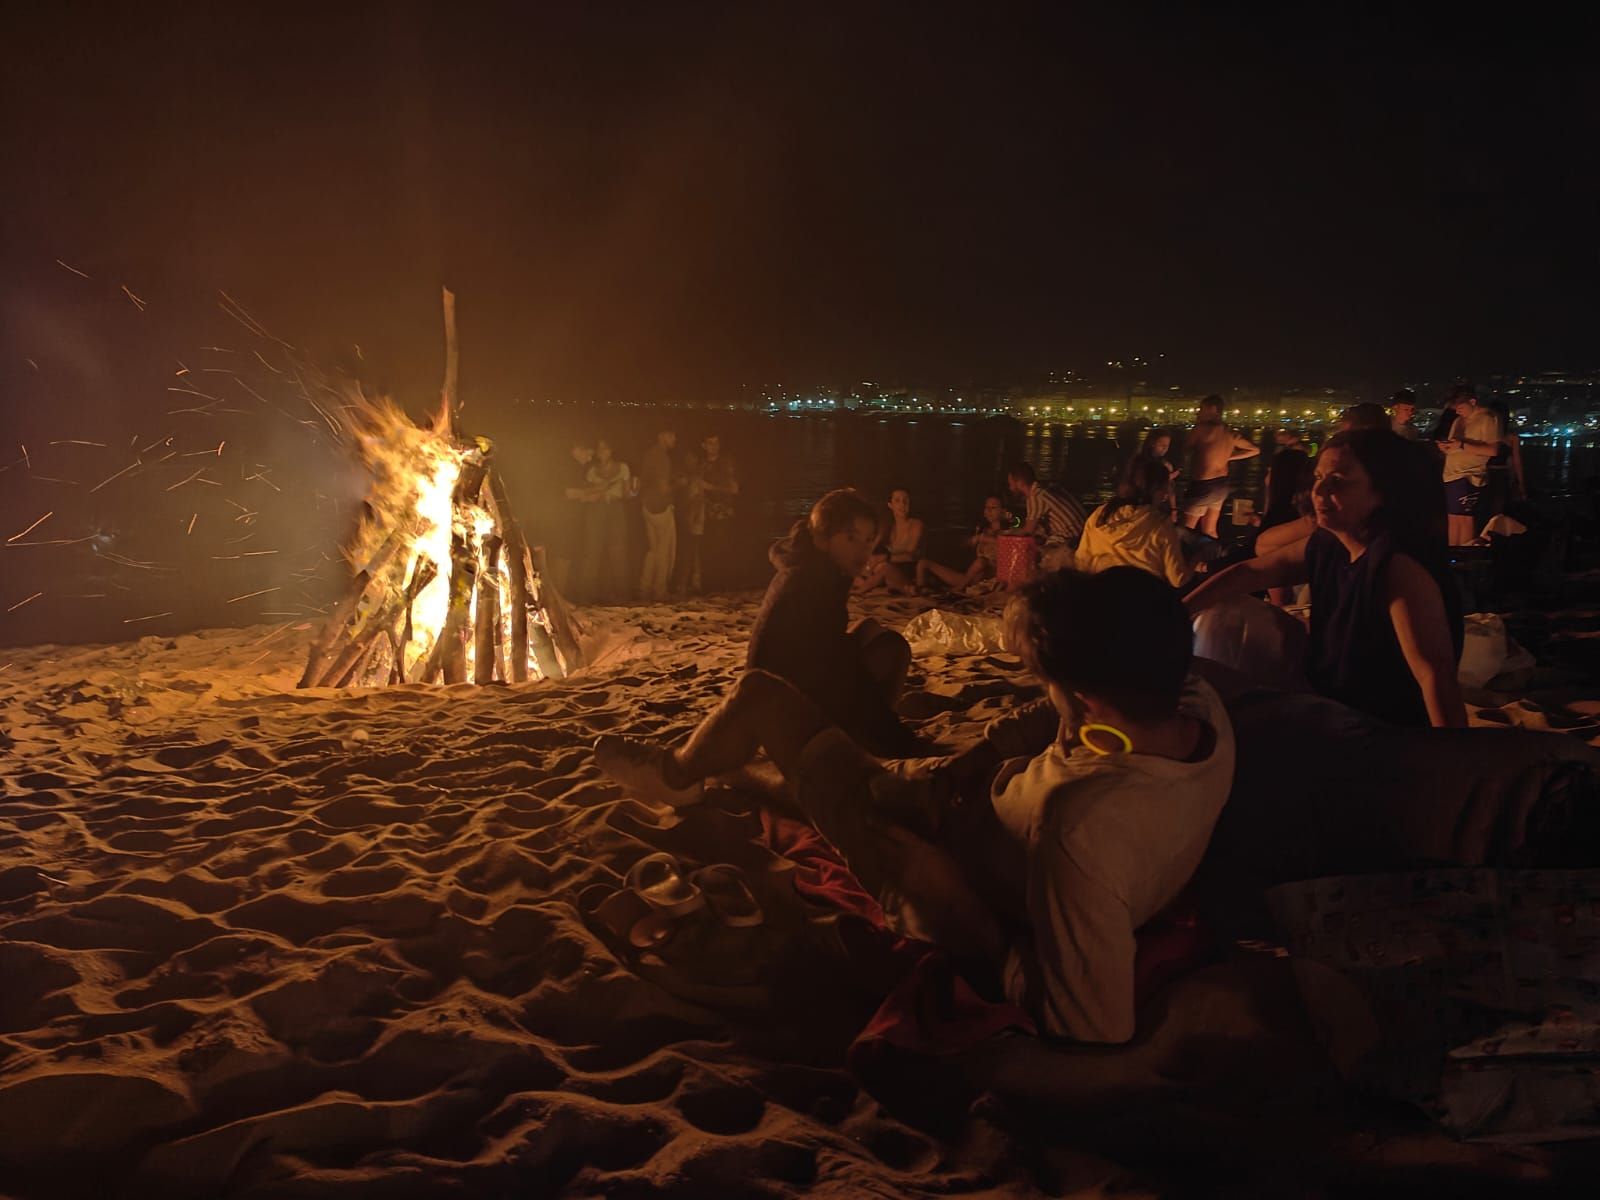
730,897
658,881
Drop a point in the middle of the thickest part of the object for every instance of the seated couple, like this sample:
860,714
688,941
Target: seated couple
1036,855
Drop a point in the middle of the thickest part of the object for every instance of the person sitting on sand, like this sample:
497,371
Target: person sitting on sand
803,633
1053,519
895,565
985,544
1386,626
1036,856
1134,528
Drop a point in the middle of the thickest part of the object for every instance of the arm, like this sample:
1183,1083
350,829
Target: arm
1075,977
1423,630
1242,448
1177,567
1459,443
1031,514
1283,535
731,487
1282,568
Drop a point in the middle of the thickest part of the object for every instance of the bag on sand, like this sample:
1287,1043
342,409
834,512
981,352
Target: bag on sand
1473,993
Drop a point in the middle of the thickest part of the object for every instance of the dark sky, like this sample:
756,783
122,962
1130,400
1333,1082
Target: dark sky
665,200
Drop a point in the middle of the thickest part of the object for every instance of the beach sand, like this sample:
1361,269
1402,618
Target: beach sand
264,942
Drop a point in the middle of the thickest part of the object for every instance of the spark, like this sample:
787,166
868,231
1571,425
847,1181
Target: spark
31,363
256,659
252,595
53,479
256,553
181,482
77,442
137,303
250,389
123,560
195,517
151,617
17,537
135,463
20,603
74,270
261,476
55,542
25,457
266,364
158,442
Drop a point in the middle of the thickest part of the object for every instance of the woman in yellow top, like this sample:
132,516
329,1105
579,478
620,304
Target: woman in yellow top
1135,529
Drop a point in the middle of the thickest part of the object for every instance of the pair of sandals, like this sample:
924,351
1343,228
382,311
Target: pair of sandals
658,898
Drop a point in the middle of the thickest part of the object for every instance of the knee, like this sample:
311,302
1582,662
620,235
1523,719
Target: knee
757,687
889,653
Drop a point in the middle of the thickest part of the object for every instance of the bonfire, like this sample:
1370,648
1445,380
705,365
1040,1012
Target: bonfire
444,585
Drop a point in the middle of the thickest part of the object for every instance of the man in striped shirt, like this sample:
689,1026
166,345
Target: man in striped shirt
1053,519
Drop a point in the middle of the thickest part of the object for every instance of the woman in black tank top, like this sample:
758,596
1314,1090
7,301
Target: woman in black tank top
1386,626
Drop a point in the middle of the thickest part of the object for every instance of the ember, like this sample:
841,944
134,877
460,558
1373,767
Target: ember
445,585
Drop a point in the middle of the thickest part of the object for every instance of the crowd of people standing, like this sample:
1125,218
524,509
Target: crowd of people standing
686,504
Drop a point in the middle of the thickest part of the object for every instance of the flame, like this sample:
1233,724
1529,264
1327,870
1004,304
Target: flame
416,475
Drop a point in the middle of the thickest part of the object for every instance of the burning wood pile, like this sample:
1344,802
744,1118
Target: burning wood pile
445,586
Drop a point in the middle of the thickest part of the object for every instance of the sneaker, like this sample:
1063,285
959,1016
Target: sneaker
641,770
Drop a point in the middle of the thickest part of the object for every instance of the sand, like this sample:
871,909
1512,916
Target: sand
263,942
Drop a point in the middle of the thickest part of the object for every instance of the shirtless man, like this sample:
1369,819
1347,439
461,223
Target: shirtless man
1211,447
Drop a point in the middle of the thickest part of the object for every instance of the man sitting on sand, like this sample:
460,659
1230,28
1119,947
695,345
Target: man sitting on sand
1211,447
1053,519
1036,855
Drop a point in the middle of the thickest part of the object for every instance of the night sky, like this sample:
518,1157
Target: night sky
670,201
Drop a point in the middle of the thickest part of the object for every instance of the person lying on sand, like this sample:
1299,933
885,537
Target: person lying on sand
803,633
1035,856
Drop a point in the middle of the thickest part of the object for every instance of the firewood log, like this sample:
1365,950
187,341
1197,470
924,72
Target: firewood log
486,614
324,648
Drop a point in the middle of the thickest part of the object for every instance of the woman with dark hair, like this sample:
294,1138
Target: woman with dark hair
895,563
1134,528
803,632
1386,628
985,545
1156,447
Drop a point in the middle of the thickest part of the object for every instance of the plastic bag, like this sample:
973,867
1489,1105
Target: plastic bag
1484,653
940,632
